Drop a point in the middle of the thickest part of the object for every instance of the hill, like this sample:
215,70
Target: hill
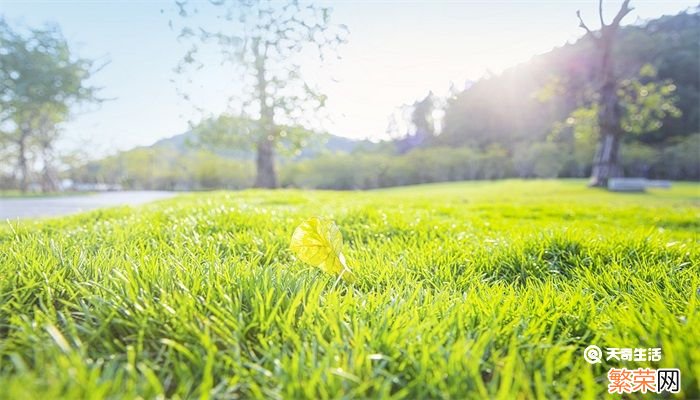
319,143
524,103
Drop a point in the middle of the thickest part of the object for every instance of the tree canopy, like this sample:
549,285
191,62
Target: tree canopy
263,42
42,82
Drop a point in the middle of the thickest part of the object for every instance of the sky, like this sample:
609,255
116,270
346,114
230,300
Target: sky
397,51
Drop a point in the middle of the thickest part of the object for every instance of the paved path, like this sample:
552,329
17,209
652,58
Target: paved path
12,208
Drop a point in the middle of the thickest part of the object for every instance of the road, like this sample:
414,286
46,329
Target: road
12,208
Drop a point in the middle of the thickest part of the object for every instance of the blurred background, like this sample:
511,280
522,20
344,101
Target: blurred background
201,95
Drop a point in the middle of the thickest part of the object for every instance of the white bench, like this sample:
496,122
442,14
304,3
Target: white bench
635,184
659,184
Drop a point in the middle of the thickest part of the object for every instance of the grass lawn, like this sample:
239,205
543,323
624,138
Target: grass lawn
468,290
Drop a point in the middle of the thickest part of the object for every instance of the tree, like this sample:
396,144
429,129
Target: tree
41,83
422,116
510,108
644,103
606,163
264,42
413,124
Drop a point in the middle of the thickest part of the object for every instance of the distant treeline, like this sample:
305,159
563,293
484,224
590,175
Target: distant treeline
678,161
166,169
148,169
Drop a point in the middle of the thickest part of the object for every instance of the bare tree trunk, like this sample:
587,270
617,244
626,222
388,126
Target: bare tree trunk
266,177
47,134
49,181
606,162
265,165
22,164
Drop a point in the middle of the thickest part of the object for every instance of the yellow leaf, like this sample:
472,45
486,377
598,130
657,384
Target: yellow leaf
318,242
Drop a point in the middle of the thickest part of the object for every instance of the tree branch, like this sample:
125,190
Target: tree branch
583,25
624,10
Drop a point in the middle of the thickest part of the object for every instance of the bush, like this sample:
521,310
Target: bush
540,160
370,171
680,160
638,159
163,169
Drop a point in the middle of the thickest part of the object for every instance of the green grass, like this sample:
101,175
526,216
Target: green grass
474,290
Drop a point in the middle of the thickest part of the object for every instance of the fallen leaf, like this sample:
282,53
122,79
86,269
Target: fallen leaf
317,241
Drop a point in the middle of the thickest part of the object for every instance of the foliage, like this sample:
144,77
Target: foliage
642,103
369,171
540,160
240,134
166,169
524,102
647,102
680,159
576,138
638,159
42,82
263,42
567,152
38,70
477,290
